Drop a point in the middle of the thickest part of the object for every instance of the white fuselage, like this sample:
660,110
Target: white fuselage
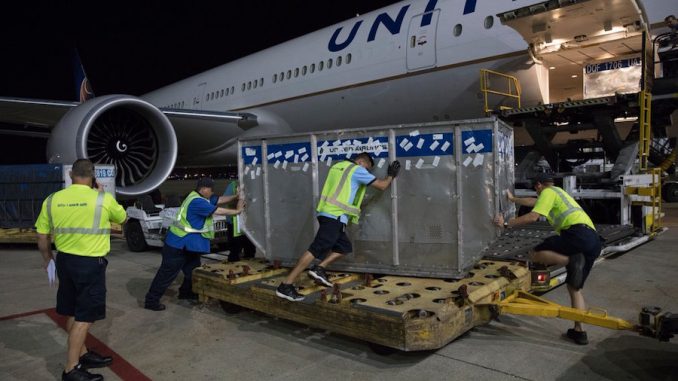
414,61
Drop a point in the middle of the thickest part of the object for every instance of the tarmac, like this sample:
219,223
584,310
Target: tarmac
202,342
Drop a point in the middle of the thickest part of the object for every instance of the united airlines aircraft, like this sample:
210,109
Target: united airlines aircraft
413,61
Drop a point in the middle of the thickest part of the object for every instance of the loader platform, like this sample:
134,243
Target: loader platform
404,313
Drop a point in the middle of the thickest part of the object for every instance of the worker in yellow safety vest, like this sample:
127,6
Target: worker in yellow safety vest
340,202
575,246
237,242
187,240
79,217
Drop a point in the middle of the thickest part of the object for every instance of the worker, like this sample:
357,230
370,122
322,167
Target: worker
340,203
189,238
238,242
79,217
575,246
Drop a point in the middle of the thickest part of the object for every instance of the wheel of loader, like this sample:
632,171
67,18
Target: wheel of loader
670,192
134,235
382,350
230,308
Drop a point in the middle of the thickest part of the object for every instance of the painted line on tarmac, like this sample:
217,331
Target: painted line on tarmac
120,366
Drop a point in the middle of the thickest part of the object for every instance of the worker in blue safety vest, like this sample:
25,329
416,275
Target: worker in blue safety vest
575,246
79,217
340,203
188,238
238,243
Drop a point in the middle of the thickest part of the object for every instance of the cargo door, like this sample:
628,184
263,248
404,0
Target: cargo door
421,41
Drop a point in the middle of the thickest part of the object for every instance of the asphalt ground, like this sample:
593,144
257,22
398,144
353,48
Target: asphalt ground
193,342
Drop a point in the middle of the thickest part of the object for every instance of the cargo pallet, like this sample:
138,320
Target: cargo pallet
404,313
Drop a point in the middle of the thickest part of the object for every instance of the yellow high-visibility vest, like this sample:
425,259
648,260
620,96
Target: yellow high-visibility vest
181,226
337,191
80,219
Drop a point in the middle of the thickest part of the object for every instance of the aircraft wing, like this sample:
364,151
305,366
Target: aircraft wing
32,117
36,117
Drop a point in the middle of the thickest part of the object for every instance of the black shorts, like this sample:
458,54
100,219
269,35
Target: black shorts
82,287
574,240
331,237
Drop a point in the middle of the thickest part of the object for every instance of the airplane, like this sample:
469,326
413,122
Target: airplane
413,61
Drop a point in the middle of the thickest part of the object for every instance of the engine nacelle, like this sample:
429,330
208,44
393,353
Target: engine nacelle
122,130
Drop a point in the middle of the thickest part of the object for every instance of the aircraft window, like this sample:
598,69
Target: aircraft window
296,72
457,30
275,77
249,85
255,83
227,91
222,93
232,89
339,61
243,86
413,41
289,74
312,68
282,76
329,63
304,70
182,104
261,81
321,64
348,58
209,96
489,21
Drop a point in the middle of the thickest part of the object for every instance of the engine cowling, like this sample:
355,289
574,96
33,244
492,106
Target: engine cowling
122,130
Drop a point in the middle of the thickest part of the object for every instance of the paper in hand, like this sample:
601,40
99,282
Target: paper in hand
51,273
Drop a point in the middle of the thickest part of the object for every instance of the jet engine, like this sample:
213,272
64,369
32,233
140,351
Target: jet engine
122,130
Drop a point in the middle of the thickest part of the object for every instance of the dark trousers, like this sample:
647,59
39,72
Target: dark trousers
173,261
238,245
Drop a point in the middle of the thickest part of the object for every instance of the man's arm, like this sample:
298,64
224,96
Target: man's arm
524,201
231,212
382,184
45,248
226,199
522,220
392,172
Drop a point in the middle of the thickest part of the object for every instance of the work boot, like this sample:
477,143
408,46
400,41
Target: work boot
92,359
578,337
80,374
289,292
575,271
320,276
155,307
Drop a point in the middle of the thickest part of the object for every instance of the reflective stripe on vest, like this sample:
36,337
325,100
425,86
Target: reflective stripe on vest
95,229
558,220
333,199
236,226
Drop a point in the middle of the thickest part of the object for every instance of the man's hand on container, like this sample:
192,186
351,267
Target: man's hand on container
393,169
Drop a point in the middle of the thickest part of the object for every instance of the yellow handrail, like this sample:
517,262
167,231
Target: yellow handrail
513,89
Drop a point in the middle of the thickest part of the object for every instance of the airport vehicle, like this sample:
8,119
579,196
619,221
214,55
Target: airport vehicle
148,223
414,61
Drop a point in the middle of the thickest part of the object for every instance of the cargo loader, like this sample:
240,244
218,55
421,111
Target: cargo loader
422,272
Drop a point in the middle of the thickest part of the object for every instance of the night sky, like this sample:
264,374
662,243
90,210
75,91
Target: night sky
132,47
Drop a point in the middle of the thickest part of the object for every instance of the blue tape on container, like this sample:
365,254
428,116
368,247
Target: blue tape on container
289,152
441,144
251,154
341,149
476,141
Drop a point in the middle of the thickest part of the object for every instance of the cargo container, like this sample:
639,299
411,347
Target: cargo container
434,221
